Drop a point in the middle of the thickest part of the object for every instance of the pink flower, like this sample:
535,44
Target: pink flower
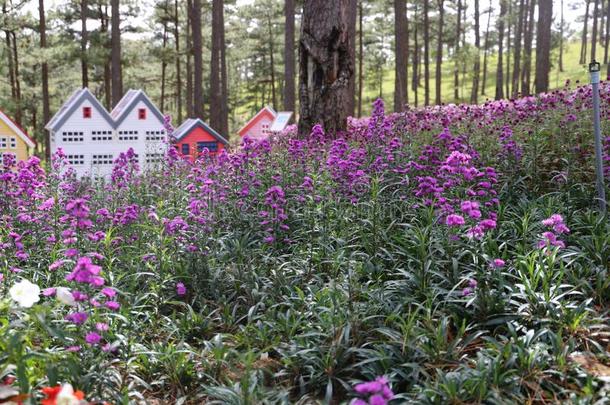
499,263
454,220
113,305
180,289
93,338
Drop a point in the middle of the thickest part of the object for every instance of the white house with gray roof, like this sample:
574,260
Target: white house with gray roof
92,138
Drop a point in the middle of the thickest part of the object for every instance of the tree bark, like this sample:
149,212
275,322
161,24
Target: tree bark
353,16
360,56
224,127
19,110
486,51
198,62
163,60
46,111
594,30
607,38
401,57
456,68
289,89
517,50
426,54
218,100
178,57
561,33
117,79
83,43
508,23
270,41
543,45
499,69
583,42
527,59
416,58
326,65
103,14
477,59
189,56
439,53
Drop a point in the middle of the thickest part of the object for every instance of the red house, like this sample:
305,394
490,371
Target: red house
258,127
194,135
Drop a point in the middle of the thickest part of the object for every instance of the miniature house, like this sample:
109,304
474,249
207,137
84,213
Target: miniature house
194,136
258,126
281,122
92,138
14,140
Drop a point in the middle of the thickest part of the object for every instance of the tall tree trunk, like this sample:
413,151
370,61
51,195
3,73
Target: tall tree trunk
477,58
508,23
517,50
594,30
217,98
9,47
583,42
164,20
607,38
189,56
456,68
46,111
103,13
83,43
360,56
401,56
178,57
198,62
117,79
486,51
270,41
289,89
224,127
439,52
19,111
426,53
499,69
527,58
326,65
561,33
353,16
416,58
543,45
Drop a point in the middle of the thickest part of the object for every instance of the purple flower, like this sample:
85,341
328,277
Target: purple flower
77,318
113,305
180,289
109,292
454,220
498,263
93,338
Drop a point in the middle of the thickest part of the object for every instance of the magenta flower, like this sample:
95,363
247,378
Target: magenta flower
113,305
93,338
454,220
77,318
499,263
180,289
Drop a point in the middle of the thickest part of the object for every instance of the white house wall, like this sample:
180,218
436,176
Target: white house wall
84,151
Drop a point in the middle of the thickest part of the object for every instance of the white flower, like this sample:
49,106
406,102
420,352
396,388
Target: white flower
64,295
25,293
66,396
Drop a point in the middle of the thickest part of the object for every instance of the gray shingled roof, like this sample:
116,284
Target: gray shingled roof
191,123
131,98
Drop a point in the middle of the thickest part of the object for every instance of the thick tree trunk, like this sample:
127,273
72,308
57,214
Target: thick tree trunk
527,58
326,65
270,41
426,53
83,43
198,63
499,69
103,13
224,124
439,53
456,68
19,110
594,30
289,89
607,37
178,57
360,56
543,45
353,16
416,57
401,56
583,41
486,51
508,24
117,79
477,58
46,111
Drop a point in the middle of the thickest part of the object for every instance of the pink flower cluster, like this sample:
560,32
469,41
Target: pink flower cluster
376,392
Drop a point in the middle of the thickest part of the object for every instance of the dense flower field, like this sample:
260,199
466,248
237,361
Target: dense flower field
443,255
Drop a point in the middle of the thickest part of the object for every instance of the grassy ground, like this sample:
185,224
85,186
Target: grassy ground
572,70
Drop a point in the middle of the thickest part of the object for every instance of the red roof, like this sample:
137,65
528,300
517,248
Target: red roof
25,134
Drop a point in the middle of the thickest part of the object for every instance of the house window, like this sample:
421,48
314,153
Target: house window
10,158
72,136
86,112
128,135
3,143
102,159
101,135
13,142
76,160
186,150
211,146
154,157
265,128
142,113
155,135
